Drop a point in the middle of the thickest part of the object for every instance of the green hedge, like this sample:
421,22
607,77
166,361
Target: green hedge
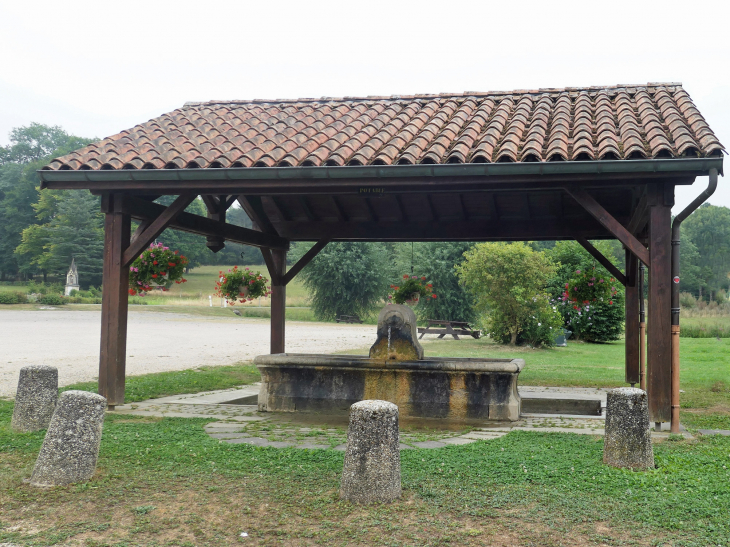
12,298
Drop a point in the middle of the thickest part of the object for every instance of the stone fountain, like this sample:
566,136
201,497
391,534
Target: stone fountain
455,389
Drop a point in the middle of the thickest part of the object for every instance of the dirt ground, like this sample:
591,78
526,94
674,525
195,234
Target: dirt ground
156,342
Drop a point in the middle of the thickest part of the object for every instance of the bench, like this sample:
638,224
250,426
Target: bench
348,319
454,328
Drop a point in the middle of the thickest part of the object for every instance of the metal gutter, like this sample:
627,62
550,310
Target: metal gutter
696,166
699,200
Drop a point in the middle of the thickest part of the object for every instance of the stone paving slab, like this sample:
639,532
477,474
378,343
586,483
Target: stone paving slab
724,432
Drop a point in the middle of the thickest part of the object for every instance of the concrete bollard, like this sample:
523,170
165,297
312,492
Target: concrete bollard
36,398
627,442
372,460
71,446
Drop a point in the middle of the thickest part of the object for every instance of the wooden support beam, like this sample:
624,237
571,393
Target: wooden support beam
278,303
114,301
464,212
141,227
307,210
271,266
659,338
339,212
605,262
589,203
640,216
277,209
187,222
492,207
371,211
401,209
306,259
255,211
432,208
632,354
156,227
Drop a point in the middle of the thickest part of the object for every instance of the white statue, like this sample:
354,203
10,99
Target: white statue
72,279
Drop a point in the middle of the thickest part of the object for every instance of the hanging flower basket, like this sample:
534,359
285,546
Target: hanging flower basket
411,290
242,285
157,266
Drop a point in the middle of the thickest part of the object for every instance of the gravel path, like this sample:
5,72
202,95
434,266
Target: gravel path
69,340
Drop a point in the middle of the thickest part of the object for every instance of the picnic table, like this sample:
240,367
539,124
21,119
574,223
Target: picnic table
348,319
454,328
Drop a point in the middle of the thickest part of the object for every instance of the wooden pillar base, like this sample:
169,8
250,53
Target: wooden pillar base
278,302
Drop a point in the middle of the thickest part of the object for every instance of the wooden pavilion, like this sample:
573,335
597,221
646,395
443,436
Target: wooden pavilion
548,164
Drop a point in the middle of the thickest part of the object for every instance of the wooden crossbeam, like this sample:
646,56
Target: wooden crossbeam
271,266
188,222
596,210
605,262
156,227
640,217
255,211
306,259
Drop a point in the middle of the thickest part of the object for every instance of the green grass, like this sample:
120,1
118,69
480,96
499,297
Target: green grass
162,384
166,482
705,327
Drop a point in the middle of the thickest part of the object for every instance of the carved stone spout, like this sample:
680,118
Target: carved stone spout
397,335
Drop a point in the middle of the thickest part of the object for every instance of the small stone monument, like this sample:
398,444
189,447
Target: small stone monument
627,442
71,446
35,399
371,471
397,335
72,279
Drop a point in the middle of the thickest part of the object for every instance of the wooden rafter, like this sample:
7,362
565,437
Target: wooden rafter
255,211
605,262
596,210
306,259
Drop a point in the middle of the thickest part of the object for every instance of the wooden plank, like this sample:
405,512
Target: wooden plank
339,212
306,259
187,222
278,304
255,211
156,227
114,304
472,230
271,266
640,216
632,354
659,338
605,262
587,201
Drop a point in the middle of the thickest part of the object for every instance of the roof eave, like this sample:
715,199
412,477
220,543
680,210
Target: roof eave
693,166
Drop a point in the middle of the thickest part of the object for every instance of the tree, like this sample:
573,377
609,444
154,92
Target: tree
709,230
507,281
74,230
345,278
437,261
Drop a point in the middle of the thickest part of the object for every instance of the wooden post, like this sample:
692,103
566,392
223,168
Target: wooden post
660,334
642,330
632,321
114,302
278,302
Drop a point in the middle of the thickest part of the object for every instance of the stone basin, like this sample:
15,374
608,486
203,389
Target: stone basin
453,389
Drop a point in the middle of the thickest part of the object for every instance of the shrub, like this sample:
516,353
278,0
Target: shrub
686,300
539,329
52,300
12,298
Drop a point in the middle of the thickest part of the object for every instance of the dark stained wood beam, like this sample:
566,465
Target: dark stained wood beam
255,211
605,262
277,208
526,206
464,213
640,216
339,211
271,266
596,210
472,230
114,301
156,227
141,227
401,209
632,331
432,208
492,207
278,303
307,210
306,259
188,222
371,211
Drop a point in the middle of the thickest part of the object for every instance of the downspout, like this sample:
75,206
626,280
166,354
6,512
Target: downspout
699,200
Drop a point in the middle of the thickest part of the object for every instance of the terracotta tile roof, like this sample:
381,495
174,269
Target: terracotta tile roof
572,124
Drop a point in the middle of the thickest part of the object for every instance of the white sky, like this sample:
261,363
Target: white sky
98,67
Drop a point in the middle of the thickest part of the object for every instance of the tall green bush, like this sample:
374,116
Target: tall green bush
346,278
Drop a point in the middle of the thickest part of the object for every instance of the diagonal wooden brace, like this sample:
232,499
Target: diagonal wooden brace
306,259
155,228
605,262
611,224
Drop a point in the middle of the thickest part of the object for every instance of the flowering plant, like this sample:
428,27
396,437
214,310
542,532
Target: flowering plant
156,266
243,285
412,288
589,287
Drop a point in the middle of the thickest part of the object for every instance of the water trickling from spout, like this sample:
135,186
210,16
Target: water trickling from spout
388,339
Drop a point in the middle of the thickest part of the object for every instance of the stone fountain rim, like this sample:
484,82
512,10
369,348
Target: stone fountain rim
448,364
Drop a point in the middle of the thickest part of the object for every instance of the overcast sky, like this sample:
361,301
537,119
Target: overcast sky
98,67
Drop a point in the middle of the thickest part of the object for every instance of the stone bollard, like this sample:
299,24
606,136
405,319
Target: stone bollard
372,460
71,446
36,398
627,442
